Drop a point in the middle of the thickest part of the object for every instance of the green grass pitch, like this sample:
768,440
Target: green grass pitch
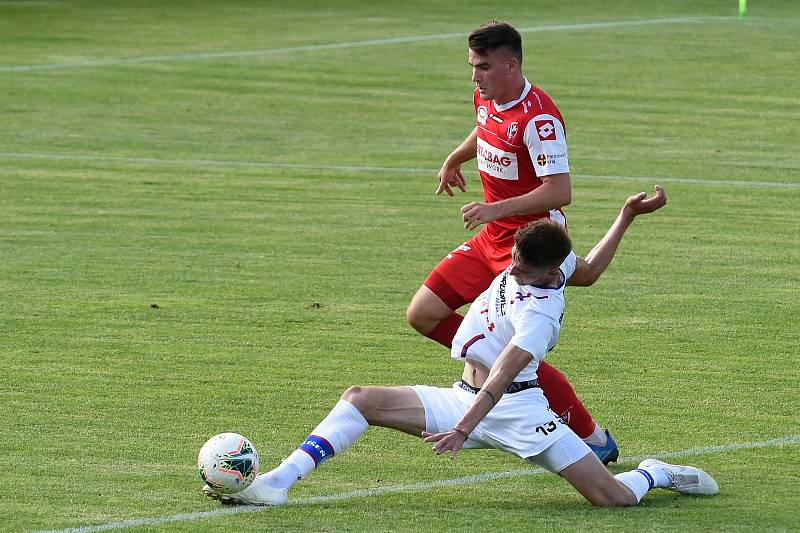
193,242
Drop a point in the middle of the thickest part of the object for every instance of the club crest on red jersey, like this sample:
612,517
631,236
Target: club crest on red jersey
483,114
546,130
512,130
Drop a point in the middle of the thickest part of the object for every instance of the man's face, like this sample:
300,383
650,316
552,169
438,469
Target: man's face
524,273
491,72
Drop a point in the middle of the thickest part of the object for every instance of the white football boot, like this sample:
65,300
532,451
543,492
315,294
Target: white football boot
685,479
256,494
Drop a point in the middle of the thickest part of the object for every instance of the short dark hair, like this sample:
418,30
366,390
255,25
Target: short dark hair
543,243
496,34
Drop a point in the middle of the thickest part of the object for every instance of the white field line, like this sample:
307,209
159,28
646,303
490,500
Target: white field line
414,487
366,169
346,44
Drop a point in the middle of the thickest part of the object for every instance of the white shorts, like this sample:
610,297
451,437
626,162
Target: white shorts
564,452
521,423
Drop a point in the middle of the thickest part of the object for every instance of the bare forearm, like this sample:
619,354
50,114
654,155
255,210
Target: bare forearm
603,252
507,367
599,258
478,410
465,151
588,270
552,194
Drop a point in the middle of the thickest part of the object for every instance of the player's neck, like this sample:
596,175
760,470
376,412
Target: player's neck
550,280
553,282
513,93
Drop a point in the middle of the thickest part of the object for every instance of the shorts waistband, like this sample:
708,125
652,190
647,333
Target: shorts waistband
516,386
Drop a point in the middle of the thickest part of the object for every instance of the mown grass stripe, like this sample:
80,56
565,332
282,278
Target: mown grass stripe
342,45
369,168
415,487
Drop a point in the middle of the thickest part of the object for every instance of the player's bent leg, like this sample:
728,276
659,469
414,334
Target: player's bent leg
571,458
433,317
593,480
393,407
426,310
458,279
590,477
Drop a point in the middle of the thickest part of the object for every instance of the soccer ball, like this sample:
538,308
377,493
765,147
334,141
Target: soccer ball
228,463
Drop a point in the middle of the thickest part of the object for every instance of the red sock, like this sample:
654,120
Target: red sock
445,330
563,400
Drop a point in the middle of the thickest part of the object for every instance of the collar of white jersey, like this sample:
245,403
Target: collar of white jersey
542,291
512,103
553,289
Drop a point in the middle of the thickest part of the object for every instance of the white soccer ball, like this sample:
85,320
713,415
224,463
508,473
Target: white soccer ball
228,463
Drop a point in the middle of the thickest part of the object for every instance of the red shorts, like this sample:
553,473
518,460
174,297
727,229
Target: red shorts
468,270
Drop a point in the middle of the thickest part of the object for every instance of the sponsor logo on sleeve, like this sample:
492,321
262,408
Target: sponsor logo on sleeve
546,130
549,159
483,113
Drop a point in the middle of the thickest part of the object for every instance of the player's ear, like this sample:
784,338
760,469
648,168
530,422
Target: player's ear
512,64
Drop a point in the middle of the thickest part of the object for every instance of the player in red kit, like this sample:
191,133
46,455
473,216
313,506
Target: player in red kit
520,144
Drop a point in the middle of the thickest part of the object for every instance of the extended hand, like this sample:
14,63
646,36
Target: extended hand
450,441
476,213
639,204
451,177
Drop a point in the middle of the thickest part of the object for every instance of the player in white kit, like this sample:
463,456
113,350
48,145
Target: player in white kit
497,403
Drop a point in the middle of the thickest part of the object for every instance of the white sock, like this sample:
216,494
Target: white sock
660,477
639,481
337,432
282,477
598,437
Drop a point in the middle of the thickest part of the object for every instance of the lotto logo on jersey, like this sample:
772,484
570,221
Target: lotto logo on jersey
496,162
546,130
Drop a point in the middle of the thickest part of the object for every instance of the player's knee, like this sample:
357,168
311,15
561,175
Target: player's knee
419,319
359,397
353,394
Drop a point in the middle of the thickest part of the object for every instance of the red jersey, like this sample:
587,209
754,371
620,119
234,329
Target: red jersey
518,142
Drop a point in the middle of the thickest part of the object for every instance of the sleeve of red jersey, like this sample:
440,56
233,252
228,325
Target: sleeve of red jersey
546,140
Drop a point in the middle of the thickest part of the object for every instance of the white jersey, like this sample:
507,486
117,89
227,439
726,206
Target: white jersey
526,316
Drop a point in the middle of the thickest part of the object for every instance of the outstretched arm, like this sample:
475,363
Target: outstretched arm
588,270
